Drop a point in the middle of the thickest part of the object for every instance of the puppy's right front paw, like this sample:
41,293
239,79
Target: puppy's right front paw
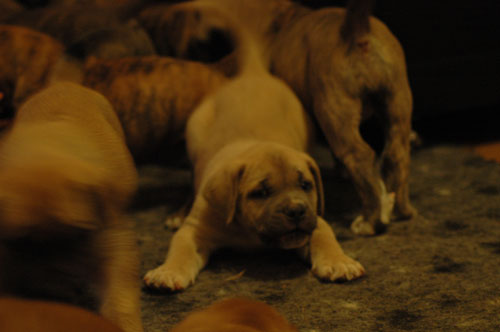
338,268
163,278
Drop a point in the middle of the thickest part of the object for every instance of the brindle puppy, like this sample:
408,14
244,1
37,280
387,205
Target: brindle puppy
153,97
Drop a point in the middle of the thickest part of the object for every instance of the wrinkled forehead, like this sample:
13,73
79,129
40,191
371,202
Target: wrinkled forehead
276,169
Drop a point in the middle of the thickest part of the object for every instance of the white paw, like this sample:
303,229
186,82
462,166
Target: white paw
163,278
174,222
360,227
338,268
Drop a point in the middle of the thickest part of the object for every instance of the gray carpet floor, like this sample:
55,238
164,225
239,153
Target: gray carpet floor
437,272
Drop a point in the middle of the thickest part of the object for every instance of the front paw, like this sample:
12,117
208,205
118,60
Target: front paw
338,268
163,278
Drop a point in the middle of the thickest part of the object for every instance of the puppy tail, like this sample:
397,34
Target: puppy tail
357,21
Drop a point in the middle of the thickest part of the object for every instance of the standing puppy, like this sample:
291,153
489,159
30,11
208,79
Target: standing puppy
347,66
66,177
254,184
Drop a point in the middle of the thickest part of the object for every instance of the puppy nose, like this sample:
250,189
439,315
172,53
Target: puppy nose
295,212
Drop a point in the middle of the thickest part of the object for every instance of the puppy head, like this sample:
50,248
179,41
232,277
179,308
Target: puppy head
50,199
270,190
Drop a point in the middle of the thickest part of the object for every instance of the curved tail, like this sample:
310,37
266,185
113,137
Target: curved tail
357,21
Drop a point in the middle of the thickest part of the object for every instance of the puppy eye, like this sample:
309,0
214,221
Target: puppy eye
306,185
259,193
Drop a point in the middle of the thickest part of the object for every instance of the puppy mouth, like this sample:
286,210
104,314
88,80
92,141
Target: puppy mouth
294,239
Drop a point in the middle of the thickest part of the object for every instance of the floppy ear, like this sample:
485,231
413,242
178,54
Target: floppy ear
221,191
313,167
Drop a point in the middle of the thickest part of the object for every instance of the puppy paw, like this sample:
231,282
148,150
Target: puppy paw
339,268
163,278
360,227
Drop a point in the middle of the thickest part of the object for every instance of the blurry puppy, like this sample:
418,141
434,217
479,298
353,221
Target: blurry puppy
17,315
153,97
254,184
88,31
66,177
235,314
345,66
30,60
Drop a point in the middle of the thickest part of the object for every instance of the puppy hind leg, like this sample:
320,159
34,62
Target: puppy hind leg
183,262
396,154
339,118
120,285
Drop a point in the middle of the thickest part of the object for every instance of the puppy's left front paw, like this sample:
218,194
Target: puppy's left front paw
338,268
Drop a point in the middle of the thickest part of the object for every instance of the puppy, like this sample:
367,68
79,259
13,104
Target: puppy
66,177
88,30
235,314
254,184
153,97
18,315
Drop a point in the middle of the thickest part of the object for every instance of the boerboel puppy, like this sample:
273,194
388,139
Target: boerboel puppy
153,97
30,61
254,184
235,314
66,177
345,67
20,315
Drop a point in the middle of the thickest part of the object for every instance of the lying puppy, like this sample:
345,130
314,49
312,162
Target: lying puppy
65,178
153,97
88,31
17,315
345,66
254,184
242,315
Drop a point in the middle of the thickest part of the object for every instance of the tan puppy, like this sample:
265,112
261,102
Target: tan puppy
153,97
254,184
230,315
17,315
345,66
65,178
